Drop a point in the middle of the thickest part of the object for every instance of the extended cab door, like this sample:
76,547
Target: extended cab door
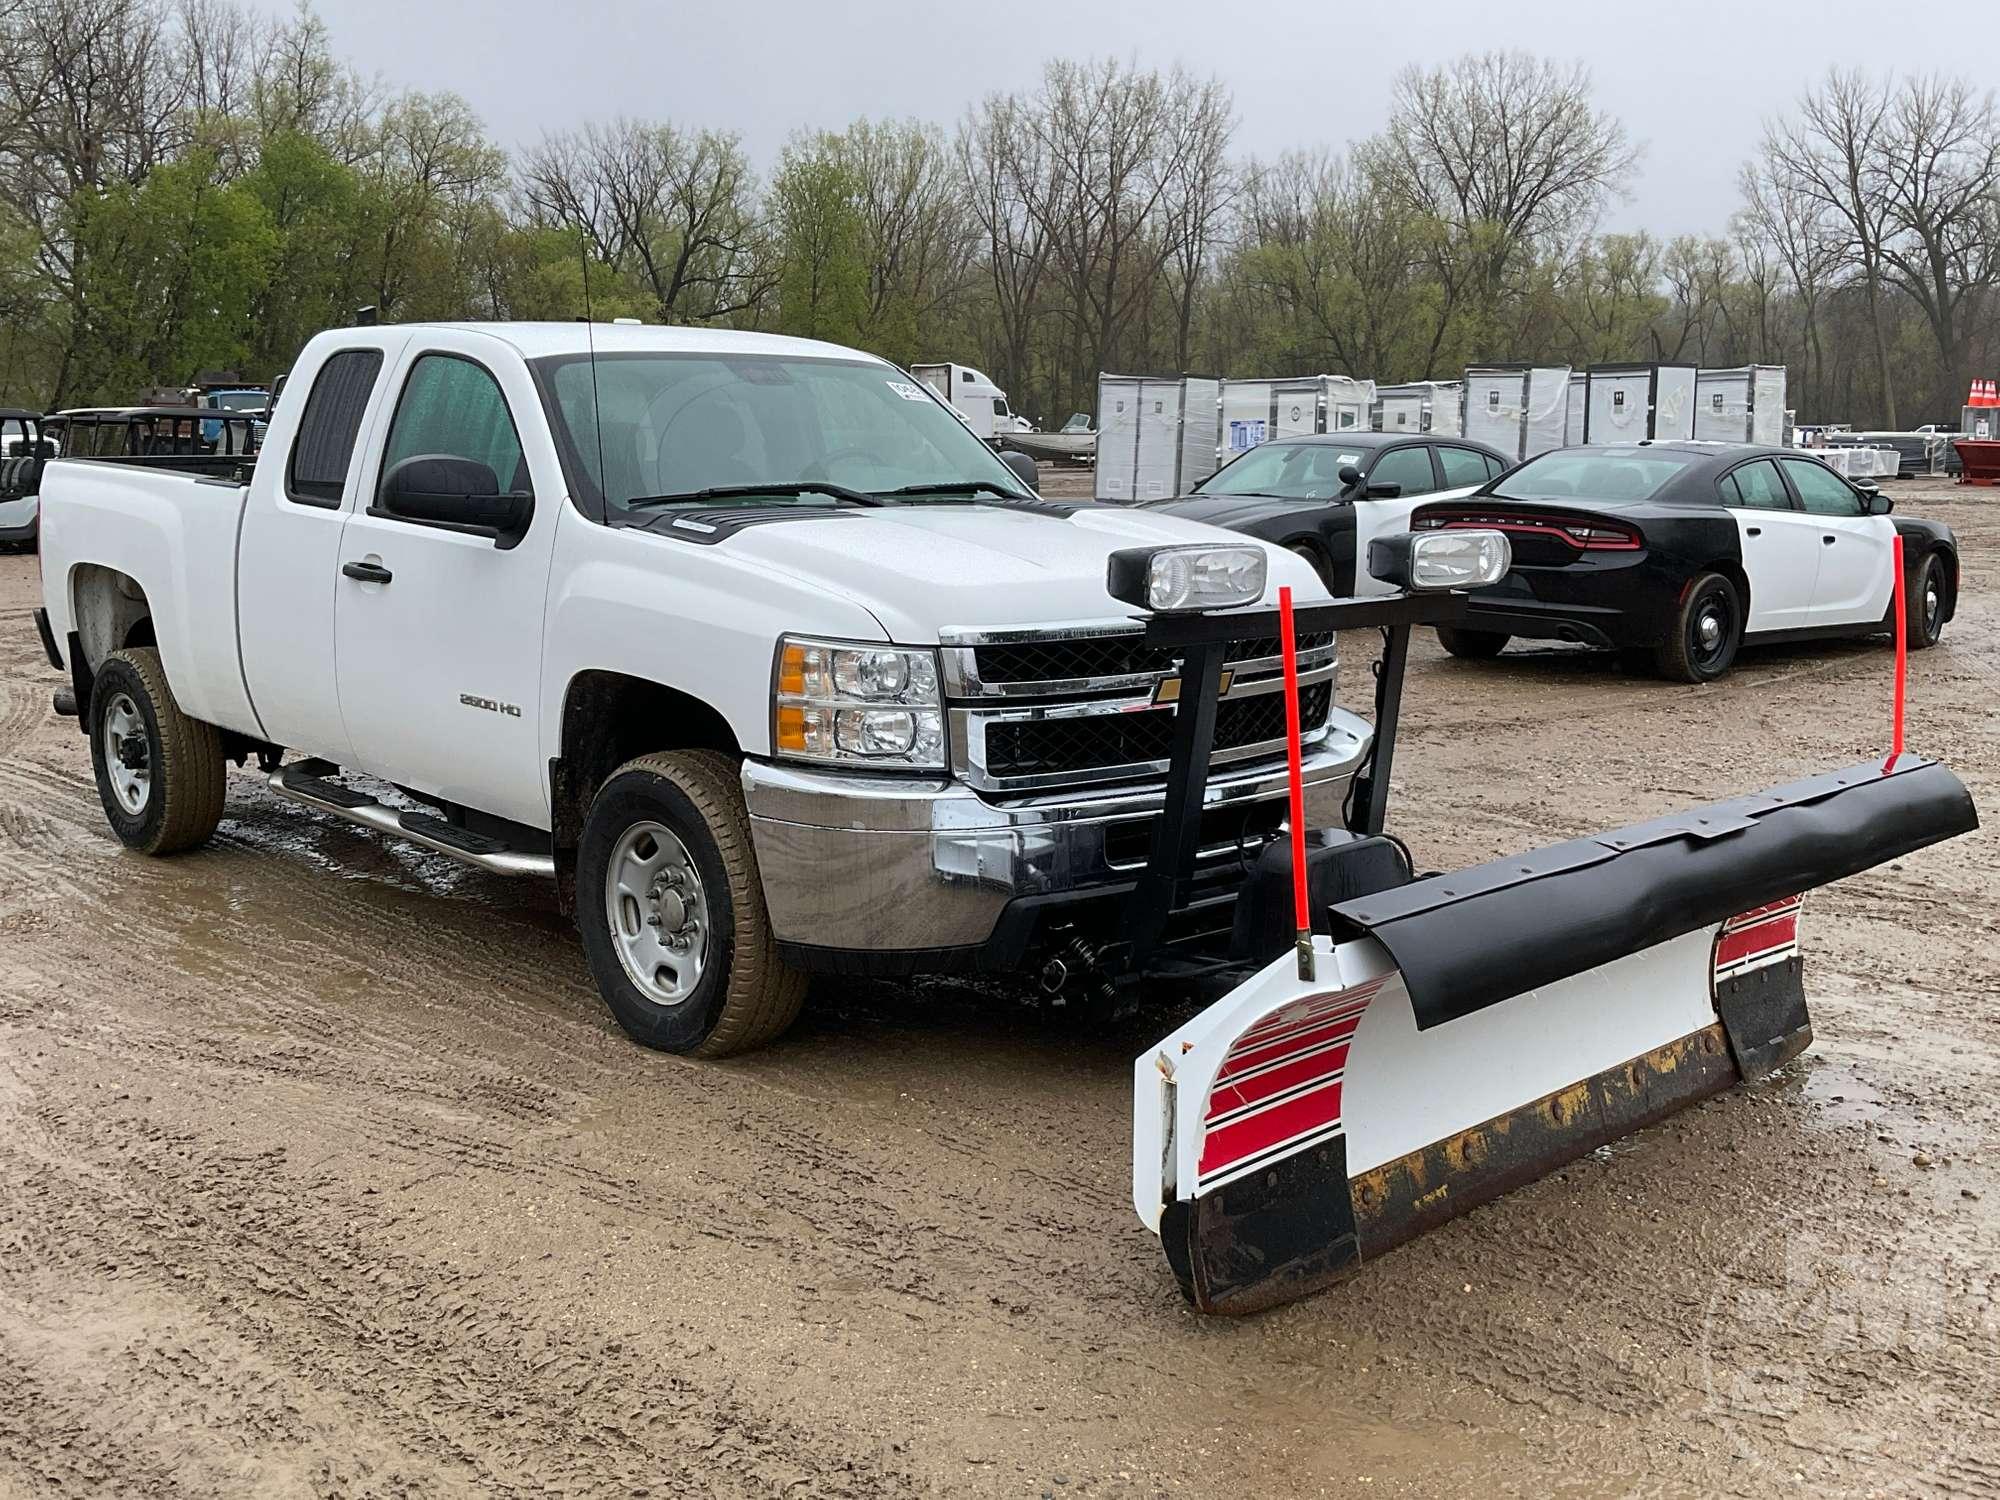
1780,546
1856,550
438,629
308,479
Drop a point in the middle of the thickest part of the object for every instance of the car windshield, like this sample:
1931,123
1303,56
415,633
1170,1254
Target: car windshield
1291,471
241,400
681,424
1582,474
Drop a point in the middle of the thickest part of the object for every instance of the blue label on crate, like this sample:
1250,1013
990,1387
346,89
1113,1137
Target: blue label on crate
1244,435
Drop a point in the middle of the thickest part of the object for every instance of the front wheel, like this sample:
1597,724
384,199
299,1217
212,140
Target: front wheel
1926,601
1472,645
160,774
672,913
1706,630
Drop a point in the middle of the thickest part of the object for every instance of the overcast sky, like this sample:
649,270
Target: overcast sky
1691,79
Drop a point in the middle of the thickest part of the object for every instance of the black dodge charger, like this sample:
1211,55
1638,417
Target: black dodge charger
1676,553
1326,497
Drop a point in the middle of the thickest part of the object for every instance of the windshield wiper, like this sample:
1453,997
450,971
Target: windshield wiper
741,491
957,487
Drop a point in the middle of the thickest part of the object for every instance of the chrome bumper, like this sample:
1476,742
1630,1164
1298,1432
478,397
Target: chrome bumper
868,864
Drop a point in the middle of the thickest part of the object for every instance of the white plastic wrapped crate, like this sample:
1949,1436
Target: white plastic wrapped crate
1201,434
1246,416
1117,436
1157,469
1521,410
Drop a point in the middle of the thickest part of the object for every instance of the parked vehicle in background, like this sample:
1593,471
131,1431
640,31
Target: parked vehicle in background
1075,443
1327,497
978,401
20,458
1677,553
240,399
744,641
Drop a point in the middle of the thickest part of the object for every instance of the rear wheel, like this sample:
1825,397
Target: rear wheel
1472,645
159,773
1706,632
672,913
1926,601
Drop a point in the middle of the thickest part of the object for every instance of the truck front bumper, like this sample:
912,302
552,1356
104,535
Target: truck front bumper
904,875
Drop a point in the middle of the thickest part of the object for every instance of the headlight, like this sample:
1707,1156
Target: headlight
857,705
1170,580
1433,561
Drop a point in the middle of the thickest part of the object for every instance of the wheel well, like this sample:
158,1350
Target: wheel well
1950,556
1314,550
1733,571
111,611
608,719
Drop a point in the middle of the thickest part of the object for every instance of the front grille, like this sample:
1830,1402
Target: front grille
1109,656
1048,747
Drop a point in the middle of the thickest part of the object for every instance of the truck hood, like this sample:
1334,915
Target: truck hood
921,569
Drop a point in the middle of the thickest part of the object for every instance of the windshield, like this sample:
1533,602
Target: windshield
676,424
1581,474
1291,471
241,400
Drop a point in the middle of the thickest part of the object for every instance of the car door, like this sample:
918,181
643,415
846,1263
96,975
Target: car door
1409,466
1857,551
307,482
1780,546
438,629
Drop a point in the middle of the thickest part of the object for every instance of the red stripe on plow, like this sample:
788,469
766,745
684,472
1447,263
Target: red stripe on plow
1774,935
1230,1097
1278,1050
1224,1148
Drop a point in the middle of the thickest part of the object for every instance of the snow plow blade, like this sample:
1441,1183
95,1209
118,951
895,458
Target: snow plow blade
1467,1033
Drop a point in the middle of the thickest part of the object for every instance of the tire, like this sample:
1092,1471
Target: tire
1472,645
730,992
1706,634
1926,601
1315,560
159,773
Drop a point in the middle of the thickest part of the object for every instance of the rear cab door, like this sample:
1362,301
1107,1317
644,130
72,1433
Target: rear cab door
1410,465
1780,545
440,661
1856,576
306,484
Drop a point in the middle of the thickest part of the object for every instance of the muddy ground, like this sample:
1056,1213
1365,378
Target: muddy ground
323,1172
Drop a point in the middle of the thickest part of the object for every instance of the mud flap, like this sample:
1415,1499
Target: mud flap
1468,1033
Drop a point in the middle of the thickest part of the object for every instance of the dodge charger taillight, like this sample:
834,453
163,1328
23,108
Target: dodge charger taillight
1584,533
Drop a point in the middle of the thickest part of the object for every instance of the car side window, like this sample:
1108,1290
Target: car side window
1823,492
452,407
1495,468
1756,487
1462,467
1408,467
316,473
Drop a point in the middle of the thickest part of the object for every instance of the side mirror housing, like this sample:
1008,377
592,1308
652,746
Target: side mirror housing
1878,503
1350,477
440,489
1025,469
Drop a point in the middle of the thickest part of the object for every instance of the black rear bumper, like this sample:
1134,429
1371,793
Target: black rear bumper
1627,603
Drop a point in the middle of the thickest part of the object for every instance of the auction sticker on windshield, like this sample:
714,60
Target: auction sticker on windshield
907,391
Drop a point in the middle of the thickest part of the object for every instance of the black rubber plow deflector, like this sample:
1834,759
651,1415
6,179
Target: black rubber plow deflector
1473,938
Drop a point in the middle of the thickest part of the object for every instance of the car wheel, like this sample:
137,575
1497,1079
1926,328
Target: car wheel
1926,601
1316,560
1708,628
160,774
1472,645
671,909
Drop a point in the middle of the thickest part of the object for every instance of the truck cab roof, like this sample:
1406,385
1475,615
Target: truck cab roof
538,340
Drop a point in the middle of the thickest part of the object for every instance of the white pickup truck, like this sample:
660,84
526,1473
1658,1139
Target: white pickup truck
746,642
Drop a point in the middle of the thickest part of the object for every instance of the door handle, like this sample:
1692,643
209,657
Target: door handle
366,572
1826,541
1756,530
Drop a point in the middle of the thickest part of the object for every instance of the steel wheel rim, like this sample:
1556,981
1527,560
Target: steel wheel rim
1709,629
657,912
128,754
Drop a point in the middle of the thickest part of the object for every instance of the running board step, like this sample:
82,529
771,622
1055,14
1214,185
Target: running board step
308,782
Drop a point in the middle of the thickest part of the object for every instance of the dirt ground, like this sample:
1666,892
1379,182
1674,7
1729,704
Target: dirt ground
323,1172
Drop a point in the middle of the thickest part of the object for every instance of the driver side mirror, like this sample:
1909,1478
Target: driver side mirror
1873,501
1350,478
461,494
1025,469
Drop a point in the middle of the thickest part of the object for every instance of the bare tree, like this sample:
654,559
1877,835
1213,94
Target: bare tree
1832,153
674,208
1508,153
1009,170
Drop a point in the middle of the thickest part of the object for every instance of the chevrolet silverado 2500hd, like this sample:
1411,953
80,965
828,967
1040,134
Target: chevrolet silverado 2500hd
745,641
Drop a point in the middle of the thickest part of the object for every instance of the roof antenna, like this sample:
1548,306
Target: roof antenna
590,343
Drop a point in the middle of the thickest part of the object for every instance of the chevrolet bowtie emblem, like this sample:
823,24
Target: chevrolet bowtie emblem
1169,690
